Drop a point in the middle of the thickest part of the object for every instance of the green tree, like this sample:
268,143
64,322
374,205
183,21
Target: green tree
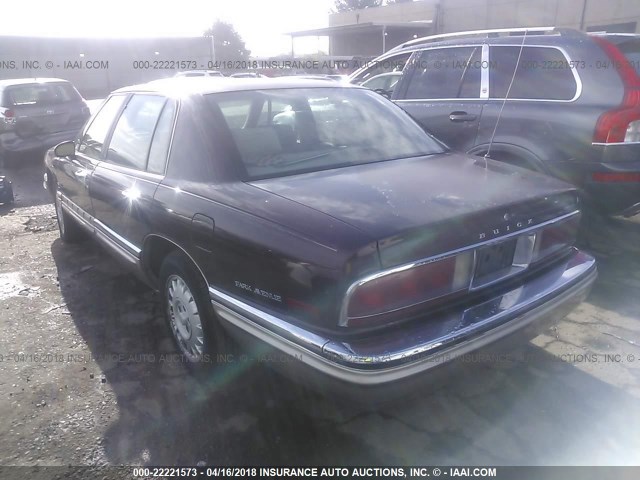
348,5
228,43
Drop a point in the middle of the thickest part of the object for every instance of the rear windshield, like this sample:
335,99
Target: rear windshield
40,94
288,131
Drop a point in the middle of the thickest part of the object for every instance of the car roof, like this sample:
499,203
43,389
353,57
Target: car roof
198,71
507,40
550,36
25,81
185,86
387,74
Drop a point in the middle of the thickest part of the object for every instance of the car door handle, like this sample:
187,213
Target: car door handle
462,117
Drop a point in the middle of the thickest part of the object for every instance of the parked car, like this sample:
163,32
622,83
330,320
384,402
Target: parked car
383,83
318,220
573,110
38,113
247,75
199,73
6,190
338,77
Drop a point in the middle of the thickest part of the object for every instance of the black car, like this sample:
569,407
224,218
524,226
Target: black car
38,113
573,108
319,220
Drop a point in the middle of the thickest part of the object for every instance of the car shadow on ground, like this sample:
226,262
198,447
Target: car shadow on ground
25,173
528,410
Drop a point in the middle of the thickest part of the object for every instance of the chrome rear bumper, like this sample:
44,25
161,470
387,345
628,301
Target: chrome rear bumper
415,348
631,211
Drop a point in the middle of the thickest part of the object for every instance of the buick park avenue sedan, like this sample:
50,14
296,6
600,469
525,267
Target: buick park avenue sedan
319,221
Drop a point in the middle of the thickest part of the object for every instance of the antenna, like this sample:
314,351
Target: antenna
504,102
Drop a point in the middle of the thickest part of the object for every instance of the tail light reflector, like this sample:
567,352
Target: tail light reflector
615,177
394,294
7,119
619,125
407,286
555,237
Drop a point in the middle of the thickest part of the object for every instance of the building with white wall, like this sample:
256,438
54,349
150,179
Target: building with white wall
371,31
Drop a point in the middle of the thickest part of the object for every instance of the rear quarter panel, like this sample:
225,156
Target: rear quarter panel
263,249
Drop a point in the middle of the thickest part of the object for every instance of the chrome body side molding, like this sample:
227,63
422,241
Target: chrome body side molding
114,242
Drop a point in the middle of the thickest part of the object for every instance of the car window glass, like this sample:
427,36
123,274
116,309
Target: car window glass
394,63
235,112
161,139
542,74
378,82
318,128
272,108
95,136
446,73
132,135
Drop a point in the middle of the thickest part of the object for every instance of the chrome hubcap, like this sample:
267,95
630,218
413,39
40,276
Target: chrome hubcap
184,318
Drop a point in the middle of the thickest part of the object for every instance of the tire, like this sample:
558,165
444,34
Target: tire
188,311
70,230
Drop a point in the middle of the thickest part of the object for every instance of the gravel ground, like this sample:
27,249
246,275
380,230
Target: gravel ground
87,377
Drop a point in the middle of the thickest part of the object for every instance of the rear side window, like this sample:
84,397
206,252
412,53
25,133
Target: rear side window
447,73
543,74
40,94
95,136
394,63
162,139
132,135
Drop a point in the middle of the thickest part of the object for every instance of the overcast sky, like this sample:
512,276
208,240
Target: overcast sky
261,23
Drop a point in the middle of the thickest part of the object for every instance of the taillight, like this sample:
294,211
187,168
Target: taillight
616,177
397,294
620,125
407,286
7,119
633,132
556,237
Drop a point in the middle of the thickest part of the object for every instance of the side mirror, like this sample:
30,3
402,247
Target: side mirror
65,149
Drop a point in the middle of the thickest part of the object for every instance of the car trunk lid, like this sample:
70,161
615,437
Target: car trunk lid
425,206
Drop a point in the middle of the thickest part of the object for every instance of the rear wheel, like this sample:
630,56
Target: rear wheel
513,160
189,314
70,231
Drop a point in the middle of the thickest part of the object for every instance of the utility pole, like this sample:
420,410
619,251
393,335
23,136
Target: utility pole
584,11
439,17
213,51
